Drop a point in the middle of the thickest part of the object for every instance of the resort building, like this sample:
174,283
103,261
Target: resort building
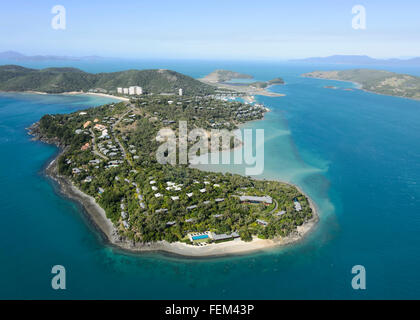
88,179
125,90
224,236
253,199
180,92
119,90
99,127
298,206
85,146
262,222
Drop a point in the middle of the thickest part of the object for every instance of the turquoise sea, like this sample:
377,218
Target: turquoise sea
357,154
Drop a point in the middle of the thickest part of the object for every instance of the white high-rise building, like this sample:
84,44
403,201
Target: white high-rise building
139,90
120,90
180,92
132,90
125,90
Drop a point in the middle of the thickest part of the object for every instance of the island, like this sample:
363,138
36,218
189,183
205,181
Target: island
376,81
221,75
224,80
107,162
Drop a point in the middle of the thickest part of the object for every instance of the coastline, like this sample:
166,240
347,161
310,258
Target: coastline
97,94
97,216
72,93
359,86
245,89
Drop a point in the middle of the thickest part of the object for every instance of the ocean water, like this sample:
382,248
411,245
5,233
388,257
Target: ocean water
355,153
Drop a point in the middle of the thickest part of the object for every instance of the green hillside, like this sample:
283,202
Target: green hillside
58,80
378,81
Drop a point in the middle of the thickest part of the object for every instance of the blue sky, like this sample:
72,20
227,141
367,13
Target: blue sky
229,29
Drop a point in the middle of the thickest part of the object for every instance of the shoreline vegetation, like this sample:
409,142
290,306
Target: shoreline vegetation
97,216
282,225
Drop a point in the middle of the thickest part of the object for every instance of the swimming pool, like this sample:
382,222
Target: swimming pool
203,236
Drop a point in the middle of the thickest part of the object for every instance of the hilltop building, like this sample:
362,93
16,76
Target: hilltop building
253,199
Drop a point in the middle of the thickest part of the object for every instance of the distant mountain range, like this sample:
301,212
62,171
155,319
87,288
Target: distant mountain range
360,60
16,56
59,80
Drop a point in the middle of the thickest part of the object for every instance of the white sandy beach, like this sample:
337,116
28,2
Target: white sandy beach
105,95
74,93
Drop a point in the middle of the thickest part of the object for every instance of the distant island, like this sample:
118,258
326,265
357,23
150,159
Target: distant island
377,81
108,163
359,60
221,75
222,80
